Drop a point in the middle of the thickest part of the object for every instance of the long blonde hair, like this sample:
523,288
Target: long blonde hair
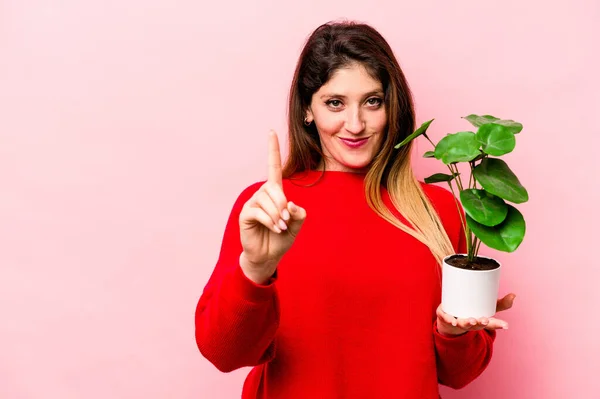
335,45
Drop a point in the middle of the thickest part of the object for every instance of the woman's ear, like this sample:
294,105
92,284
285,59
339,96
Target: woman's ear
308,118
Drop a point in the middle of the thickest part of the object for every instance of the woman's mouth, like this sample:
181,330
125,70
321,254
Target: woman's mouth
354,143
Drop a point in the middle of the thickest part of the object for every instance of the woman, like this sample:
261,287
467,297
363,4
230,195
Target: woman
328,280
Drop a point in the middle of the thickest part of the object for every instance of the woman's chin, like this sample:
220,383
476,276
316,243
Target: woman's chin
356,165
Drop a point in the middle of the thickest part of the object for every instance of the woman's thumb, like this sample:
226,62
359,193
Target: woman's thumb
298,214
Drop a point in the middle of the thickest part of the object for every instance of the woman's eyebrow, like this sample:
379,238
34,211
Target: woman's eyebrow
371,93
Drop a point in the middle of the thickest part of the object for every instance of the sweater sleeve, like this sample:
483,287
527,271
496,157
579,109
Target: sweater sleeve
463,358
236,320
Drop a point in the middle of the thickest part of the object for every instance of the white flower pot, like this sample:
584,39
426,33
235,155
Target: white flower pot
469,293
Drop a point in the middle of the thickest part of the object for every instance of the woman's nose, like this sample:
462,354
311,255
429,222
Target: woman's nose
354,122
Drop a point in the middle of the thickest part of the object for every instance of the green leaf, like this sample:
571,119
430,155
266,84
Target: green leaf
496,139
483,207
439,177
514,127
421,130
496,178
478,120
429,154
457,147
507,236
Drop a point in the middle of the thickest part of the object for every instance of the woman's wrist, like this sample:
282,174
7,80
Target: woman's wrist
258,274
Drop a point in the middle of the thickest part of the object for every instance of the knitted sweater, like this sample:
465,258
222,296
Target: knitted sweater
350,312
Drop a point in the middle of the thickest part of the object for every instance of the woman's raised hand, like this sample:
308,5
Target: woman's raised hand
269,223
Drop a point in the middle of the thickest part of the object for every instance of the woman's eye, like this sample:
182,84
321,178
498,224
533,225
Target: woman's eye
334,103
374,101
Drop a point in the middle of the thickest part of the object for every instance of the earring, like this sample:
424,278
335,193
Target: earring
306,122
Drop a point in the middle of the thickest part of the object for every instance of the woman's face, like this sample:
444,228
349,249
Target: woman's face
350,117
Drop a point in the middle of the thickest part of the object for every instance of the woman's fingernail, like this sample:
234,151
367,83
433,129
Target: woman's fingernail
277,229
282,225
285,214
293,207
505,327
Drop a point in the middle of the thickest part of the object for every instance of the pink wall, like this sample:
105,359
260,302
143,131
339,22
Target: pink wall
120,121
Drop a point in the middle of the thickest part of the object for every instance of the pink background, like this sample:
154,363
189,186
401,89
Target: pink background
127,129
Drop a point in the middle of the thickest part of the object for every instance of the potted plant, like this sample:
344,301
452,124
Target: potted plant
470,282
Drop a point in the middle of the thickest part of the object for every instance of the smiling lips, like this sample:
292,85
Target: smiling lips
354,143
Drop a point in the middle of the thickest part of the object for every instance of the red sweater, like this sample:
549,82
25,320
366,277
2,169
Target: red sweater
350,312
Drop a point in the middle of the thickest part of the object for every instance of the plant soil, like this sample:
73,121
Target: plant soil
462,262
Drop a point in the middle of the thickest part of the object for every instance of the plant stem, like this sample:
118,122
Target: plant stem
469,235
477,248
454,170
471,240
471,178
472,166
475,243
463,221
427,137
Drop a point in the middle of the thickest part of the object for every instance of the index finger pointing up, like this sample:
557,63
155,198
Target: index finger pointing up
274,175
